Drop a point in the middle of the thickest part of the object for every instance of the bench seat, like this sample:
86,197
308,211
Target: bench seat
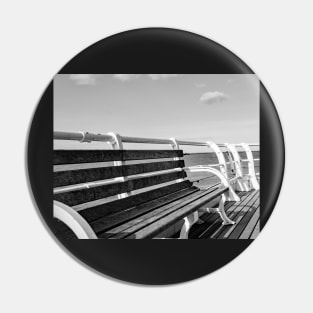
153,223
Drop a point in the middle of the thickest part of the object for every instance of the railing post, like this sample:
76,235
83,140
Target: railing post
241,184
220,157
251,168
117,144
232,164
175,146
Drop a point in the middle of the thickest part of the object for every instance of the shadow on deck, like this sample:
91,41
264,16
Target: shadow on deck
245,213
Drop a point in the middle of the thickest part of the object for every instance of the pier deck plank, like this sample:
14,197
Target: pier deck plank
245,213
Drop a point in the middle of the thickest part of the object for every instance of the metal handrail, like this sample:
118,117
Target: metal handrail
89,137
145,140
81,136
250,144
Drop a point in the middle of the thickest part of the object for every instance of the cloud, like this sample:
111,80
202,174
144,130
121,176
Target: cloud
84,79
129,77
126,77
212,97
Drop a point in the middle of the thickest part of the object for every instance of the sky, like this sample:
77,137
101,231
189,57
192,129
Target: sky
199,107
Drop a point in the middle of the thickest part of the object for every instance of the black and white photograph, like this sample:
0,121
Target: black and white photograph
156,156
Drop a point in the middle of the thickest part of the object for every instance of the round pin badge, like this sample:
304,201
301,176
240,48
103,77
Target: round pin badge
155,178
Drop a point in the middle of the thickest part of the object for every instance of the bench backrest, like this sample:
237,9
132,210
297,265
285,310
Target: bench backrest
95,189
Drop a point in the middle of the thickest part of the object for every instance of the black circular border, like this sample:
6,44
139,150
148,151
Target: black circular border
154,50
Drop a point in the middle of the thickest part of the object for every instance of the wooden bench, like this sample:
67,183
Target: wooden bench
138,194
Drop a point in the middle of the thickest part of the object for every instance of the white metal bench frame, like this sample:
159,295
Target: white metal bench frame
242,182
229,195
251,166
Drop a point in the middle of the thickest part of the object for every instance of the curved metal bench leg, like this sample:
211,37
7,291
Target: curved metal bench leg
188,222
222,213
231,195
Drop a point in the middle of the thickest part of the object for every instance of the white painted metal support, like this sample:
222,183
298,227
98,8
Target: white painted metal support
251,168
73,220
175,146
117,144
188,222
221,211
220,157
230,195
241,184
231,162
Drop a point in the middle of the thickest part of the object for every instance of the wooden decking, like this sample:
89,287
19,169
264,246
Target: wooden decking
245,213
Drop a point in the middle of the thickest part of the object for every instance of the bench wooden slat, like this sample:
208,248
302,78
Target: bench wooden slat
87,175
91,156
250,226
247,213
129,155
85,156
86,195
97,211
141,168
234,214
137,224
211,224
72,177
108,222
169,220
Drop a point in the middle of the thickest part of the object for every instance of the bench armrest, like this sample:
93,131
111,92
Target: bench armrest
73,220
196,169
208,169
